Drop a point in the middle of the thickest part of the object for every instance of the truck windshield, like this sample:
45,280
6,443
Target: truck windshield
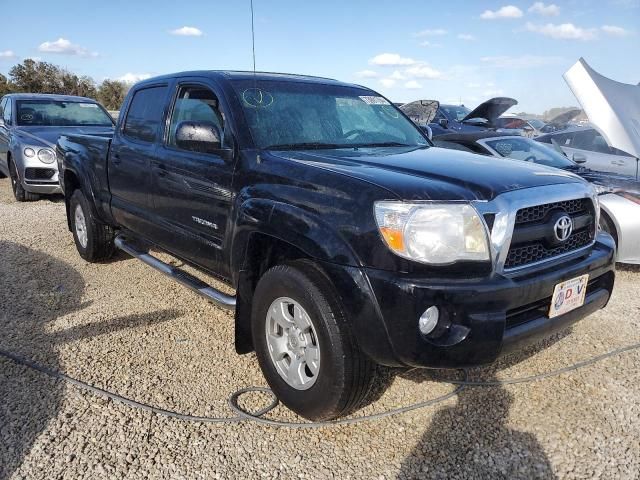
300,115
52,113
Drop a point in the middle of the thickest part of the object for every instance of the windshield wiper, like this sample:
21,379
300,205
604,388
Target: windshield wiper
306,146
386,144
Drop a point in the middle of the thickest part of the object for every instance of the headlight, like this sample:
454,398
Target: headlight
46,155
433,233
29,152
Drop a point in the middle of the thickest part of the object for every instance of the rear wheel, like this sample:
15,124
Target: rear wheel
20,194
305,346
94,240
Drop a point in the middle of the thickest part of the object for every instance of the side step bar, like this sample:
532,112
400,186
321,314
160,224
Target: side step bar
216,296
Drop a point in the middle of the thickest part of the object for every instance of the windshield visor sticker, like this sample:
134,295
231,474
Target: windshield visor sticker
88,105
372,100
257,98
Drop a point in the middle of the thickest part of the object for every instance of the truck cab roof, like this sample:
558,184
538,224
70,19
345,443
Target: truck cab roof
245,75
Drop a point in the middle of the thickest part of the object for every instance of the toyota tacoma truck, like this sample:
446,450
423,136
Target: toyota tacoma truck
347,238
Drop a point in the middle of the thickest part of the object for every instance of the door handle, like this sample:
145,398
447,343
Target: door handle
116,159
620,163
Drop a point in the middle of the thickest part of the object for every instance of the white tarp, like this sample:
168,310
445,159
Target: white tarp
612,107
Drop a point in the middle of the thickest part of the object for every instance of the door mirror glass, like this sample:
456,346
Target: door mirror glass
579,158
444,123
2,122
198,136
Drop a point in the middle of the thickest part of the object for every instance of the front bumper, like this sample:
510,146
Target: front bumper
488,316
38,177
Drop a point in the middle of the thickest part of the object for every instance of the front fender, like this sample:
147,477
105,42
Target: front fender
306,231
80,160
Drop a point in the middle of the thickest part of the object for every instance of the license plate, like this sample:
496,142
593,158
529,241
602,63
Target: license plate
568,295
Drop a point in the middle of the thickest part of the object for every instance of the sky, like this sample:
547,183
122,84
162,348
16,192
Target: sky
454,51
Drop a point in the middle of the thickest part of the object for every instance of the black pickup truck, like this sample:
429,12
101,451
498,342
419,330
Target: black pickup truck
348,238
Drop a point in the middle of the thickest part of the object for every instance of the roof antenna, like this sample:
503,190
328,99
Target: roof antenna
253,43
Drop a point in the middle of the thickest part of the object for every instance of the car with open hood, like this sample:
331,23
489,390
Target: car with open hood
619,195
561,121
613,109
30,125
458,118
518,125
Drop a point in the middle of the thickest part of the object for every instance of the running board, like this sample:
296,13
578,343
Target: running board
216,296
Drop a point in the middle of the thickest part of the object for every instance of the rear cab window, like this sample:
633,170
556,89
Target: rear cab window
145,113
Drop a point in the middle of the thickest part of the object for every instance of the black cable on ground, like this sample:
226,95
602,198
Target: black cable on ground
242,414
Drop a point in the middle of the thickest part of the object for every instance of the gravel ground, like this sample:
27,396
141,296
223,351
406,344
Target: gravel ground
123,327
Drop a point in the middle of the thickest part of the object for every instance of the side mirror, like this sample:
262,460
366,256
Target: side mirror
579,158
443,122
202,137
427,129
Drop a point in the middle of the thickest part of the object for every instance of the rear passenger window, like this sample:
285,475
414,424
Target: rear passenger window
145,114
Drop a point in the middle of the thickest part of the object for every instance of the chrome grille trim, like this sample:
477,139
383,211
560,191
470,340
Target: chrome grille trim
505,207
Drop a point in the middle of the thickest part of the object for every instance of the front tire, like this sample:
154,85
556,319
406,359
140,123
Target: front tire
305,346
94,240
20,194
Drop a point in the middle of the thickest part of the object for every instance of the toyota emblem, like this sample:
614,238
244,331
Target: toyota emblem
563,228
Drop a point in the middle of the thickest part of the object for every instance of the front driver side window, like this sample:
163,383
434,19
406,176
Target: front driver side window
195,104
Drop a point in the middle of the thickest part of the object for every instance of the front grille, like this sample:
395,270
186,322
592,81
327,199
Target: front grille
534,252
541,248
39,173
539,212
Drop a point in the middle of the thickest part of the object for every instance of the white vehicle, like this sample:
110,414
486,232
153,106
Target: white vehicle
613,109
588,146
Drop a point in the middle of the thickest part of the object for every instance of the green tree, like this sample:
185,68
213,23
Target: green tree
43,77
6,86
111,93
36,77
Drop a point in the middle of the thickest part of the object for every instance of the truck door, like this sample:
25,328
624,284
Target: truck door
129,165
192,190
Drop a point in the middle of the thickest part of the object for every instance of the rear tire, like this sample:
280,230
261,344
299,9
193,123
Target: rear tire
338,375
20,194
94,240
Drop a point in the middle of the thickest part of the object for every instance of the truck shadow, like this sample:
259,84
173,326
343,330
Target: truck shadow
472,439
35,290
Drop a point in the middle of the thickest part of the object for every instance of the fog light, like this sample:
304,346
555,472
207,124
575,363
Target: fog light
428,320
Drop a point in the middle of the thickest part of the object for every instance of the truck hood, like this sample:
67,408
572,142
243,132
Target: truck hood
432,173
491,109
49,135
613,108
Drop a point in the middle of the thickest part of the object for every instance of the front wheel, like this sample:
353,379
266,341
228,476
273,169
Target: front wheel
20,194
94,240
305,346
